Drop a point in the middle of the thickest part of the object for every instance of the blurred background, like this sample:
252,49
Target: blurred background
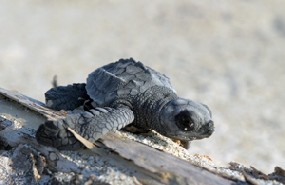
227,54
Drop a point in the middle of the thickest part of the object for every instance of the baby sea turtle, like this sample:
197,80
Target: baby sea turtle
123,93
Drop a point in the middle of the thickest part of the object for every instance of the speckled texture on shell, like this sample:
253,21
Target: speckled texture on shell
122,79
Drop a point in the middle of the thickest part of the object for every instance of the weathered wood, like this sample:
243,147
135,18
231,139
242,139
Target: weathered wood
168,168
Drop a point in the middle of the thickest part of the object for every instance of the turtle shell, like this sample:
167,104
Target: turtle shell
122,79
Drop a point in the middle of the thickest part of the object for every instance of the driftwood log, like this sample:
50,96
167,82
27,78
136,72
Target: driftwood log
116,158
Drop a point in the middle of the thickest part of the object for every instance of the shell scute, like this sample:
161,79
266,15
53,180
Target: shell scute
122,79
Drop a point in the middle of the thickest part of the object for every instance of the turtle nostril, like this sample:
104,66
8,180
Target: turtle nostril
210,123
210,127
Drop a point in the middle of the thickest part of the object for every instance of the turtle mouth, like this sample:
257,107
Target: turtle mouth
204,132
186,137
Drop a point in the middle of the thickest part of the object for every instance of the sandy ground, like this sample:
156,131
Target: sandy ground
227,54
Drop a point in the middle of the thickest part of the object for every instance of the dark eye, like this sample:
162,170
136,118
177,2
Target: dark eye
183,121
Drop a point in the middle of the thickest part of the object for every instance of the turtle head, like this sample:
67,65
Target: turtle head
186,120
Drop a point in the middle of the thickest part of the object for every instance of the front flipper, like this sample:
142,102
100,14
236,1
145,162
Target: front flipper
91,125
66,97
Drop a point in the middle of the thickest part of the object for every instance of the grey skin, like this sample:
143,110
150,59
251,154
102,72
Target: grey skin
121,94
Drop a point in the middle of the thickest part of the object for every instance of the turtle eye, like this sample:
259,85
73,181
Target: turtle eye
183,121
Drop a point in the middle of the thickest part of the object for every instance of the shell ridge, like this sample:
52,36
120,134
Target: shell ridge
125,78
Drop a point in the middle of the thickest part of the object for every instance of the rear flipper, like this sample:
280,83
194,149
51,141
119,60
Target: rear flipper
66,97
90,125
